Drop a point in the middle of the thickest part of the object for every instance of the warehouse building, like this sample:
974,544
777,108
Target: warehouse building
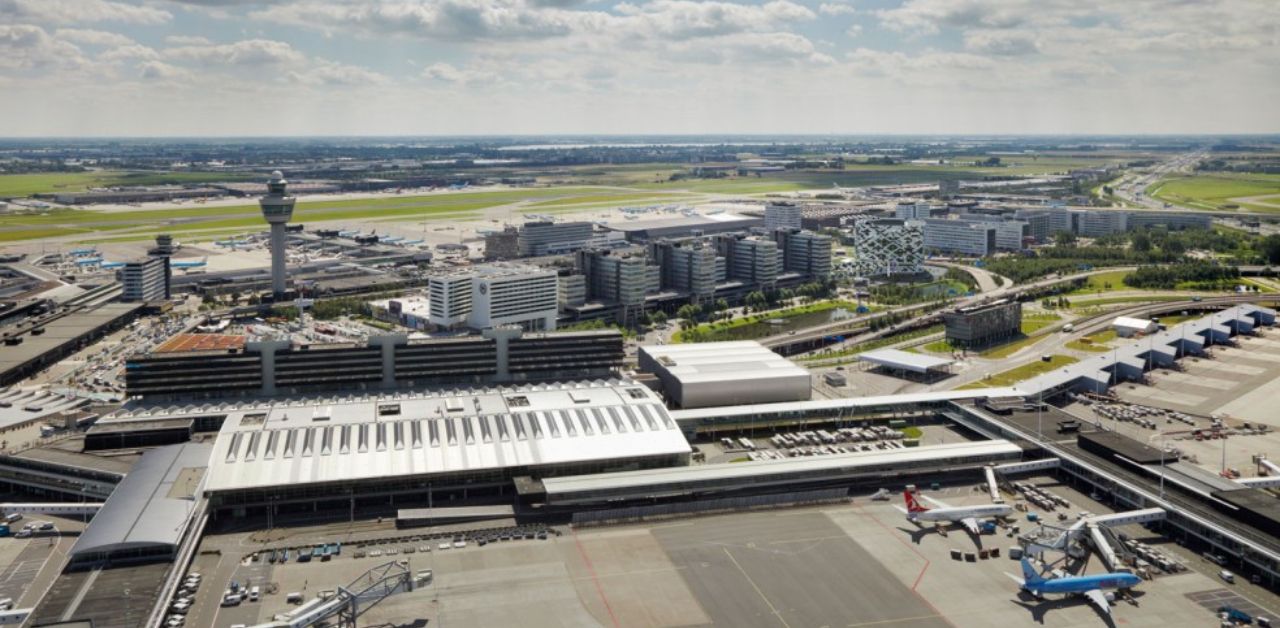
30,348
1128,326
270,368
401,450
724,374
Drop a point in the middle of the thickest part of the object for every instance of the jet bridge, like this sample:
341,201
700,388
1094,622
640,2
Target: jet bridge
351,601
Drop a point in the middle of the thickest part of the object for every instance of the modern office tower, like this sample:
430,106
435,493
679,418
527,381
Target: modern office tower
962,237
948,188
496,294
550,238
888,246
982,325
911,211
1039,224
277,208
752,260
621,280
1095,224
689,267
571,289
146,279
805,252
782,216
1011,233
1169,220
502,245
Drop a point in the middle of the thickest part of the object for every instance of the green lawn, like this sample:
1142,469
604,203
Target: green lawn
620,197
19,185
1214,191
1096,343
1103,282
1032,323
1022,373
735,328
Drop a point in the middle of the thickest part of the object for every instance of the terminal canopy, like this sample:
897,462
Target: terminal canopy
904,361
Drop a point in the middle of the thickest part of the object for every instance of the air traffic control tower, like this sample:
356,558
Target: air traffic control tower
277,208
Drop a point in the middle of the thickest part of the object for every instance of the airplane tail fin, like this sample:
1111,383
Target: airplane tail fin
1030,576
913,506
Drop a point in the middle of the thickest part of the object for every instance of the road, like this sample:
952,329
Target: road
1133,185
818,332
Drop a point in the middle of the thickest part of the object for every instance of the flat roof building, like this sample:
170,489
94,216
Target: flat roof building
144,280
983,324
888,246
495,294
962,237
707,374
550,238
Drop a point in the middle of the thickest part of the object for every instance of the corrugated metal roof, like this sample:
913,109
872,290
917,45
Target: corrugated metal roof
905,360
721,361
148,508
446,432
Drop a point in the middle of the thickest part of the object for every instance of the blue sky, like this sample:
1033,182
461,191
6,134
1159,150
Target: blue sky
402,67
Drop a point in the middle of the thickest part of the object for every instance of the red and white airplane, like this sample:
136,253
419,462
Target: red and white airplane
968,516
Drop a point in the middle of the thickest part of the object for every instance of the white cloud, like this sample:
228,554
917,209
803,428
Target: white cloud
854,30
330,73
449,73
250,52
836,8
25,46
131,52
1001,43
90,37
80,11
161,71
187,40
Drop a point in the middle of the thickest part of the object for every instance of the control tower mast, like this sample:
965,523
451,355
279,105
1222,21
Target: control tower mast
277,209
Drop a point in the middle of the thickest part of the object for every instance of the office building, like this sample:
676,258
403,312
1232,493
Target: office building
982,325
911,211
783,215
620,279
1170,220
495,294
146,279
277,209
690,267
552,238
571,290
1011,234
753,260
805,252
684,226
959,237
888,246
502,245
449,298
1039,224
1094,224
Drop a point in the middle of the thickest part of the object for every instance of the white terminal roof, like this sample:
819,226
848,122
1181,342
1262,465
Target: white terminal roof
151,505
721,361
903,360
21,406
1133,323
300,441
756,470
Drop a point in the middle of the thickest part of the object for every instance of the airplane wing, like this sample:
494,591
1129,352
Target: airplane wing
971,524
1098,599
933,501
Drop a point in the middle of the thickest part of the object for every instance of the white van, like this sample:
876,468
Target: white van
1227,576
6,604
253,594
293,598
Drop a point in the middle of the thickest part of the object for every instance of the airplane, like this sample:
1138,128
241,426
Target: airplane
1091,587
968,516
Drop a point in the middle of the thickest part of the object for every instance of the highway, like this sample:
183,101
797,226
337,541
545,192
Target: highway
815,335
1133,185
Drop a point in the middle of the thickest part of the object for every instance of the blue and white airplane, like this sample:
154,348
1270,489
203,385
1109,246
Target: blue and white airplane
1091,587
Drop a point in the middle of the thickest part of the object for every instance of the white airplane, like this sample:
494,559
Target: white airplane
968,516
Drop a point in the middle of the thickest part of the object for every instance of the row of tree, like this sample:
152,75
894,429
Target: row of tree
1169,276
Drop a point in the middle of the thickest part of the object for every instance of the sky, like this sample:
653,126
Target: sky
480,67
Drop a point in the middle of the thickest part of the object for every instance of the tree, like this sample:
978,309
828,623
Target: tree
756,300
1271,249
1141,241
721,305
657,318
689,312
1064,238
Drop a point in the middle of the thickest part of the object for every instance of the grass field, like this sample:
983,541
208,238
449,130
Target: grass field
1103,282
620,197
1021,373
1096,343
19,185
1034,322
1216,191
